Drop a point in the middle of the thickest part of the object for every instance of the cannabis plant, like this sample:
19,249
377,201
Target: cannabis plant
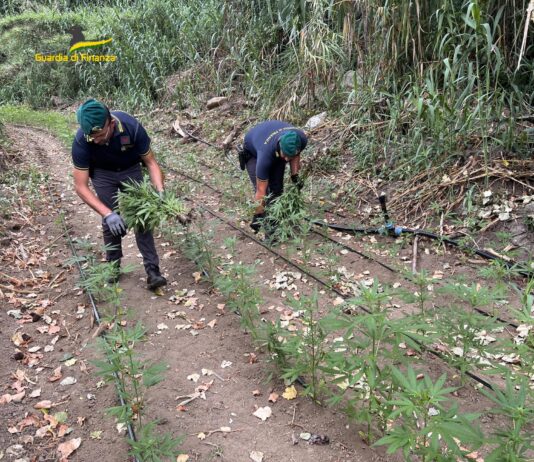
242,296
306,349
330,252
467,335
122,366
356,360
515,442
423,293
476,295
198,247
286,215
143,209
526,297
153,447
423,426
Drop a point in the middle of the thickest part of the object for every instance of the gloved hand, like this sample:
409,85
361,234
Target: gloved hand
297,181
116,224
257,221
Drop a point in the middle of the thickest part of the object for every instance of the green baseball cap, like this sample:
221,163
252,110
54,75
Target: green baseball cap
92,115
290,143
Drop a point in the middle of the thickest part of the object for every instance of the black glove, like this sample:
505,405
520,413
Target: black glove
243,157
257,221
116,224
297,181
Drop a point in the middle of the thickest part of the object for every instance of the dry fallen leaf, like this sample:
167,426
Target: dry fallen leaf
201,436
16,398
96,435
256,456
67,448
53,330
52,421
263,413
68,381
46,404
43,431
182,458
212,323
273,397
256,393
290,392
193,377
29,421
121,428
56,375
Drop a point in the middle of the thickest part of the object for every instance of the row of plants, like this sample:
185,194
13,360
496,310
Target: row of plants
121,363
368,356
360,363
467,338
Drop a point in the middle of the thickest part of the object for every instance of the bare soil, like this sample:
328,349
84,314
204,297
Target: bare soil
229,401
242,377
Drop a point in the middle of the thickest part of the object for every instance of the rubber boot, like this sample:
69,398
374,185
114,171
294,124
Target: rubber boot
155,279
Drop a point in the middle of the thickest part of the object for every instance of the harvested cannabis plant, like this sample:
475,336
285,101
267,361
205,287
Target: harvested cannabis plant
142,207
286,216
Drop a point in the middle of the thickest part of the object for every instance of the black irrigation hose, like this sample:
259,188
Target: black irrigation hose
478,310
398,230
357,252
299,379
356,230
323,283
351,249
392,230
96,314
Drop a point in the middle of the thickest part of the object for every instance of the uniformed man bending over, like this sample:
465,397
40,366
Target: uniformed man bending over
267,148
109,148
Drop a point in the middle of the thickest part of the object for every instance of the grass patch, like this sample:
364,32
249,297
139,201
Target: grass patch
60,125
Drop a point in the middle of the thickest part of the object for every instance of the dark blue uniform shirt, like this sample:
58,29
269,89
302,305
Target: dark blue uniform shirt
128,144
262,143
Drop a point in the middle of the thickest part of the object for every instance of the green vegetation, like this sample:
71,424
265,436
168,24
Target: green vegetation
419,83
426,427
286,216
366,363
121,365
60,125
143,209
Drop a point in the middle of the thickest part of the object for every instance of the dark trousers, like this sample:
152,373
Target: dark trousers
275,187
107,184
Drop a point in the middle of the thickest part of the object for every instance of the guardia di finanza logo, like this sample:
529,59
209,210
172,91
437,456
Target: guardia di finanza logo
80,50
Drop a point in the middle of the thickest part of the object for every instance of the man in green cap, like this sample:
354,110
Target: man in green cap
109,149
267,148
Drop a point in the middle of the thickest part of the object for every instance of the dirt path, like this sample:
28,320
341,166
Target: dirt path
229,402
